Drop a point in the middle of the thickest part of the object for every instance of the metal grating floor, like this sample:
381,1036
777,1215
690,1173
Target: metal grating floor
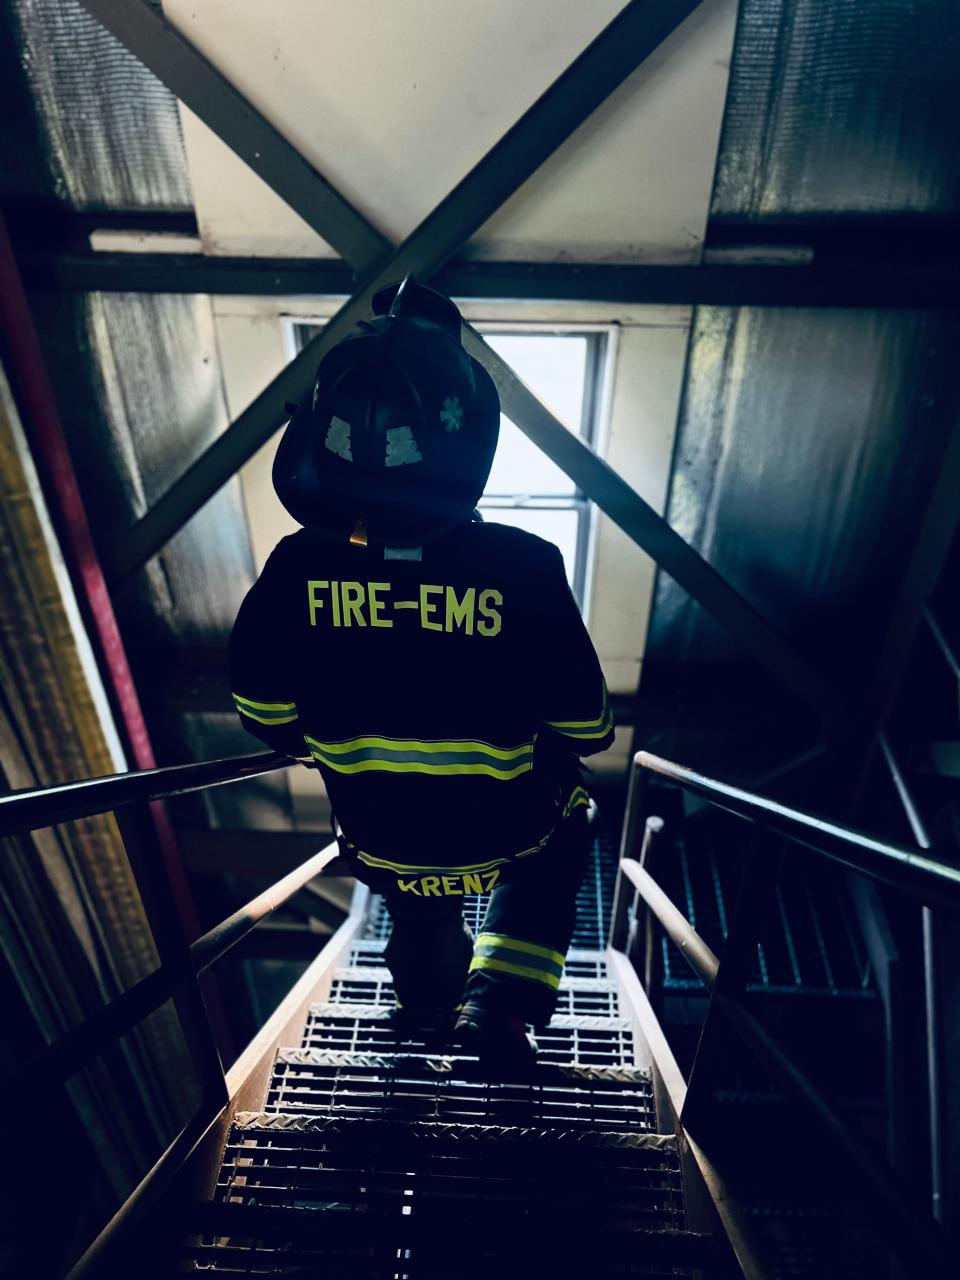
357,984
333,1198
809,944
589,1040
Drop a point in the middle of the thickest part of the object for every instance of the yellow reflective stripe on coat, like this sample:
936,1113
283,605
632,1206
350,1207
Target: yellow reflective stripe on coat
584,730
519,958
266,712
417,755
409,869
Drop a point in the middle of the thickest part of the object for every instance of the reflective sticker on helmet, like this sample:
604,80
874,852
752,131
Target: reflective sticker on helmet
338,439
452,413
401,447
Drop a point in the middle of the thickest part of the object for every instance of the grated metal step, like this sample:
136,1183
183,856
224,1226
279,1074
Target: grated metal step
581,962
401,1087
375,1159
360,984
331,1198
363,1028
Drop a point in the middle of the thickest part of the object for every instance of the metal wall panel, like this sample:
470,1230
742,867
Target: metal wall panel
842,106
806,448
111,129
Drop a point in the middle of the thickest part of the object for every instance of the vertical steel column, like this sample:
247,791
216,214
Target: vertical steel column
628,840
930,996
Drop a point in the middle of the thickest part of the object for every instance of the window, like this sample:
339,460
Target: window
525,489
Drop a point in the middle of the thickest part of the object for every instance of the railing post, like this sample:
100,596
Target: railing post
628,838
642,938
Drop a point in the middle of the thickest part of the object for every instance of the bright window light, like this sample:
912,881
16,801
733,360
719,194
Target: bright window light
525,488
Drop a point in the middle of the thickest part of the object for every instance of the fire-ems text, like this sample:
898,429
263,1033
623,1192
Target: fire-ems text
475,610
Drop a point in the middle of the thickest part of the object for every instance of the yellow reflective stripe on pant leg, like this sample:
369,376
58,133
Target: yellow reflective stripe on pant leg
515,970
502,941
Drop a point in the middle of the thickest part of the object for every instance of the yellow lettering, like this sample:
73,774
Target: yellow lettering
376,605
408,886
431,886
491,878
490,627
427,607
335,601
472,883
313,604
450,886
460,612
353,598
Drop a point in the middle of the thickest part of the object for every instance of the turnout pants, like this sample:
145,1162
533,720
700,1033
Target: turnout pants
515,963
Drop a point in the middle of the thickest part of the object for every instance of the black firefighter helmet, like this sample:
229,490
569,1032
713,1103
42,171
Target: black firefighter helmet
398,440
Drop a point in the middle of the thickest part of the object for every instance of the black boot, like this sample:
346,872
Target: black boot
433,1027
499,1040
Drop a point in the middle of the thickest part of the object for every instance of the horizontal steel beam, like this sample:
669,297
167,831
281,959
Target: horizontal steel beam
770,285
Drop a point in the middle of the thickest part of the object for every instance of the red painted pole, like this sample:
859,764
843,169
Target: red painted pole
50,451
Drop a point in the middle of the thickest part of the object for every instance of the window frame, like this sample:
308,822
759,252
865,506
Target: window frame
596,367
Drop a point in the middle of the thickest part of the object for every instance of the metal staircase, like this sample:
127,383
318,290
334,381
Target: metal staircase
331,1148
372,1157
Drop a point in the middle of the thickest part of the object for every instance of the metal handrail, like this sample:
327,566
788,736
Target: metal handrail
911,870
675,924
909,1231
35,807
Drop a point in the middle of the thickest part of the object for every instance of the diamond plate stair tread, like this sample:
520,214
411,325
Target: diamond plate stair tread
400,1087
382,1013
452,1067
425,1133
325,1193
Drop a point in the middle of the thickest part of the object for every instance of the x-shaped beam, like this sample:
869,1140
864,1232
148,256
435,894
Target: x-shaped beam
626,42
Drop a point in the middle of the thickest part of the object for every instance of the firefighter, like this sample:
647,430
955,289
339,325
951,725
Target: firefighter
437,671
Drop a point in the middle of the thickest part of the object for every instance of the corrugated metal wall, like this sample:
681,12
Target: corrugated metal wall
808,439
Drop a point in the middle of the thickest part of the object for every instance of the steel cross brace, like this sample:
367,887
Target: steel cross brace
619,49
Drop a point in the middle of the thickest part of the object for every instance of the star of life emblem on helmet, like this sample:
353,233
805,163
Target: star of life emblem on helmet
452,413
